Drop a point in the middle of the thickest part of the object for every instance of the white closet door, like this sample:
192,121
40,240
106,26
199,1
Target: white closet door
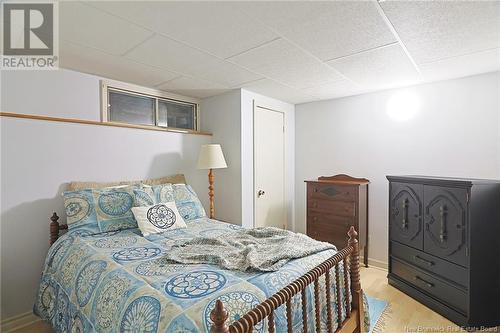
269,168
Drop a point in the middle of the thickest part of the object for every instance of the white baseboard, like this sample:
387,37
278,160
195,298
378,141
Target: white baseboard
15,323
375,263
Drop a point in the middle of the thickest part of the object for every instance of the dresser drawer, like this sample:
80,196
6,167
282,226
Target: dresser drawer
444,292
445,269
326,232
332,192
329,219
339,208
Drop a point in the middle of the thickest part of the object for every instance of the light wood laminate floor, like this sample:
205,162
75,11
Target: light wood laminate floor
405,315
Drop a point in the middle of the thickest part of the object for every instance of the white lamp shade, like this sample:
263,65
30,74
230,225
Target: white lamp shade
211,157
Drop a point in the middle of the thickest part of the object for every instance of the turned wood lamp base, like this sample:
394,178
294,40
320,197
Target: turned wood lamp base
211,157
211,179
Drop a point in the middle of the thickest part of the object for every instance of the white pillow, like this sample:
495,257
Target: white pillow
158,218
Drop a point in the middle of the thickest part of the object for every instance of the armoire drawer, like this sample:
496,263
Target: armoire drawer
332,192
444,292
434,265
339,208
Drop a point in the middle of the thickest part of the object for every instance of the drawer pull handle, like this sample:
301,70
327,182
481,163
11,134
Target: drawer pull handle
428,284
443,211
427,262
405,214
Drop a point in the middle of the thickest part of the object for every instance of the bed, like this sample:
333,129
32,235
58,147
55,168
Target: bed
119,282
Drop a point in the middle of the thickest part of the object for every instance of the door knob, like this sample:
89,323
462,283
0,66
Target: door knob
260,193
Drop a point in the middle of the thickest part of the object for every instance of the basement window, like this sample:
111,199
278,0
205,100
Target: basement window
124,103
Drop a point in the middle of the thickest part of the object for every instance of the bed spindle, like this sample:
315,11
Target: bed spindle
328,302
317,308
337,289
304,309
346,290
289,315
271,322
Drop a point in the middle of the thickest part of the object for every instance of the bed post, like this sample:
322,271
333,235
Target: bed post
219,316
357,293
54,228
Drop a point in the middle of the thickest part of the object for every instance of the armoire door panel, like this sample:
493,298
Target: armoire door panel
405,216
445,229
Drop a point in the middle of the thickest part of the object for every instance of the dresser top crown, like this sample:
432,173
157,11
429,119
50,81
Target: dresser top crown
341,179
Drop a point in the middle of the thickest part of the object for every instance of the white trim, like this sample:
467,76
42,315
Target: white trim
374,262
20,321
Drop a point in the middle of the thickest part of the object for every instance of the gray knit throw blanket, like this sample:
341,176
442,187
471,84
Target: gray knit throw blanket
260,249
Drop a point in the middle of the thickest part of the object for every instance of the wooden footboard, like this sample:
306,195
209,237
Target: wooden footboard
354,322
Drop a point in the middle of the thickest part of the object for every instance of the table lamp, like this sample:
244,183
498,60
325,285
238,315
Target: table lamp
211,157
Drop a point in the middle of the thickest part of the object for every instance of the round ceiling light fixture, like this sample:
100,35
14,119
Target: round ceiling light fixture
403,106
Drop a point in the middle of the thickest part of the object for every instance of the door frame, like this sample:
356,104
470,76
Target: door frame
260,105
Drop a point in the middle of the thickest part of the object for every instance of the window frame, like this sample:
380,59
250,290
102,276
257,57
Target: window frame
132,89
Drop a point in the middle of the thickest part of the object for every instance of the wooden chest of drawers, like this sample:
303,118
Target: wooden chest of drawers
333,205
444,235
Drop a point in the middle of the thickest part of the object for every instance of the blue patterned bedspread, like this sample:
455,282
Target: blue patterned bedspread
120,282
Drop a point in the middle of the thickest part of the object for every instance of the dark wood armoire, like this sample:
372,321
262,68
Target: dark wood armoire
444,245
334,204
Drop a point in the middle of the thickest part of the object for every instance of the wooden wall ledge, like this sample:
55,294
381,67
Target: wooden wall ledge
99,123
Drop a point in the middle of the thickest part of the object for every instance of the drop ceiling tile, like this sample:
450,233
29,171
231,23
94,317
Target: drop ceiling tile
166,53
281,61
471,64
199,93
327,29
91,27
335,89
434,30
223,72
186,82
380,68
211,26
283,93
93,61
193,87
